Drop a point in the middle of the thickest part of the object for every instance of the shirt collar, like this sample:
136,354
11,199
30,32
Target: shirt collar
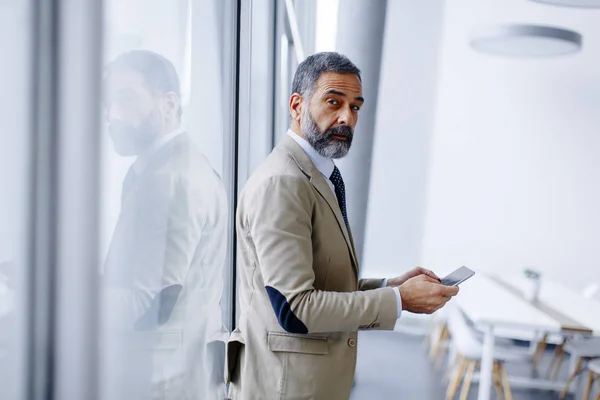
324,165
142,161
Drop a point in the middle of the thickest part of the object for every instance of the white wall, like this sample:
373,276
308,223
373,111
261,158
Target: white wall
515,171
506,176
404,125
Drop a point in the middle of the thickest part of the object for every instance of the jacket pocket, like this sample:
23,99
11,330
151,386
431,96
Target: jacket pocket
285,342
234,347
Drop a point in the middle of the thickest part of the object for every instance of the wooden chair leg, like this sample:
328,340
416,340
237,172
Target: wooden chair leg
440,357
559,361
505,383
451,368
433,330
588,386
459,372
539,352
436,342
468,379
433,338
445,332
558,354
497,380
577,371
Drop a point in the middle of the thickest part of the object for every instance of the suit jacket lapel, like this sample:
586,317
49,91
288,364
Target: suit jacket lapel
353,247
324,190
319,183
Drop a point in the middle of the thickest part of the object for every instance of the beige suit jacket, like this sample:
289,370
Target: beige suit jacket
171,233
300,297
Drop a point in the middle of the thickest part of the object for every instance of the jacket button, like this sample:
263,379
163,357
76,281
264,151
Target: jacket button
352,343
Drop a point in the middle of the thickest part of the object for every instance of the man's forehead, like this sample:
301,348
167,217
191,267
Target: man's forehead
123,77
346,83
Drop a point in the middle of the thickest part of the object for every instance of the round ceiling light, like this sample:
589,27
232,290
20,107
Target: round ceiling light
526,41
572,3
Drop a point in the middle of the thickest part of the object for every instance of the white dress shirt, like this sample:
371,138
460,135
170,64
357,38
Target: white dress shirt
325,166
142,160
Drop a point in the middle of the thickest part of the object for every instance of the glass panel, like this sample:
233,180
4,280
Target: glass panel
15,179
166,199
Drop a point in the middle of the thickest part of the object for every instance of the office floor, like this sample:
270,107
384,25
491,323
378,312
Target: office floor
392,365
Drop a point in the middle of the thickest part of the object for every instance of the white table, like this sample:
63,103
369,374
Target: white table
564,300
489,305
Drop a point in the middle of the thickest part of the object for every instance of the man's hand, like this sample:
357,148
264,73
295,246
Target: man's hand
411,274
425,295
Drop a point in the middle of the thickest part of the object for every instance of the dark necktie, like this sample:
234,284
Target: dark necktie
340,192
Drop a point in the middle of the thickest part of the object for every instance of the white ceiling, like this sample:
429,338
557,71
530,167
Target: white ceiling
576,76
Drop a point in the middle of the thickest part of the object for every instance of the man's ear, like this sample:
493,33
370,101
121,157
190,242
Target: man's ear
296,104
171,105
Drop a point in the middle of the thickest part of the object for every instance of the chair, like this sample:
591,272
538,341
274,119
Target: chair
469,352
594,375
583,350
437,339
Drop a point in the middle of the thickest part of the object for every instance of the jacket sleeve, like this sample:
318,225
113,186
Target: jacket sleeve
369,284
157,255
280,227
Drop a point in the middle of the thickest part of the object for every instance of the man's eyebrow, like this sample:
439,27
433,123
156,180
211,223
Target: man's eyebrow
337,92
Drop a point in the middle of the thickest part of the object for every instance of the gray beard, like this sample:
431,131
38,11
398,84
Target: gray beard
323,142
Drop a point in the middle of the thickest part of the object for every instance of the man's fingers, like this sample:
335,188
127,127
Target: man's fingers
431,274
428,278
446,291
450,291
424,271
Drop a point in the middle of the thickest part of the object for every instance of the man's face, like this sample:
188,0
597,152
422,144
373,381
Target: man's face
134,115
329,117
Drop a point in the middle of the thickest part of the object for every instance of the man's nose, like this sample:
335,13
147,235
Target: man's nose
346,117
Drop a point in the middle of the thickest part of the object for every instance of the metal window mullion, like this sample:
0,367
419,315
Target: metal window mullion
295,30
76,292
41,261
282,84
231,84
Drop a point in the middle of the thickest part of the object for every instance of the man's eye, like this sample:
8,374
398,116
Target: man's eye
355,108
333,102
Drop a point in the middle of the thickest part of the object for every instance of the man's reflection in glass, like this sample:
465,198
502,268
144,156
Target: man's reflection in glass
163,273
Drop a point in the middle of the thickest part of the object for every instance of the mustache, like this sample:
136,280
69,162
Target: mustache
342,130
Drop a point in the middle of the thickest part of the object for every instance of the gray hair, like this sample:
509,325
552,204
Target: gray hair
312,67
157,71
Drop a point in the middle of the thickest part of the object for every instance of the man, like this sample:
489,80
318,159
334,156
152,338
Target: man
301,300
164,269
